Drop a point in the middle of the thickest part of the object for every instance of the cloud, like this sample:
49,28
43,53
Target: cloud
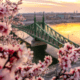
41,2
49,6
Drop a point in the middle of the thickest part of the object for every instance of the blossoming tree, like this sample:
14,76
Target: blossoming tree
16,59
66,56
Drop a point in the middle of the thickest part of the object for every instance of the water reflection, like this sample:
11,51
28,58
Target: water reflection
39,54
69,30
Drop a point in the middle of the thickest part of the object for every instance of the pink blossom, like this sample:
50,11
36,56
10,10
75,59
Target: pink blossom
4,29
39,78
2,11
53,78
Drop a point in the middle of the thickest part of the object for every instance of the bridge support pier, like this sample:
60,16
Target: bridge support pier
36,42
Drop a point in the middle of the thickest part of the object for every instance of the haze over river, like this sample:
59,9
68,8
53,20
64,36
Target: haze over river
68,30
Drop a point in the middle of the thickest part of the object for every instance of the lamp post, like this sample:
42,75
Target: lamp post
68,36
72,36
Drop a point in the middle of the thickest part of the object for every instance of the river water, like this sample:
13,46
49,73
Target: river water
68,30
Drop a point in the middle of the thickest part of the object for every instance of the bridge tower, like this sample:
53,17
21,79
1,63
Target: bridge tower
35,41
43,20
35,25
35,22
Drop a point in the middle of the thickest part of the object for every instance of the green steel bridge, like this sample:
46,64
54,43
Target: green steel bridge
43,32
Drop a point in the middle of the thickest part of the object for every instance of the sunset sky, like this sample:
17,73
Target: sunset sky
30,6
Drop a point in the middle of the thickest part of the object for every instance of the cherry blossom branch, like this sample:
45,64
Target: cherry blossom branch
66,56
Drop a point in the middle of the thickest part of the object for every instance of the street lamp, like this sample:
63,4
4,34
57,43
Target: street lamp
68,36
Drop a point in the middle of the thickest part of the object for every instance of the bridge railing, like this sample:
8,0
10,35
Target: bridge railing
58,36
47,34
40,24
42,34
27,29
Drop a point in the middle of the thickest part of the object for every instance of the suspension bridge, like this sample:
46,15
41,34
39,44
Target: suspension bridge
41,31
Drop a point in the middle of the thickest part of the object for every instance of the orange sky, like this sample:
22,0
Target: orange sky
29,6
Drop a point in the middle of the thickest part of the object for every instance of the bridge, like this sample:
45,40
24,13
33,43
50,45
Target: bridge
41,31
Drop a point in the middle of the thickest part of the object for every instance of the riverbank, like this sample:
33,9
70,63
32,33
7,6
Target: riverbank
53,22
50,49
62,23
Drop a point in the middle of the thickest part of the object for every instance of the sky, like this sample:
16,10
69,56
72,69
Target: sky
31,6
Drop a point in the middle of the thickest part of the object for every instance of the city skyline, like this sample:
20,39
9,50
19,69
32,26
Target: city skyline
31,6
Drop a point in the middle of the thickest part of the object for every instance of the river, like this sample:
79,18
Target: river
68,30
